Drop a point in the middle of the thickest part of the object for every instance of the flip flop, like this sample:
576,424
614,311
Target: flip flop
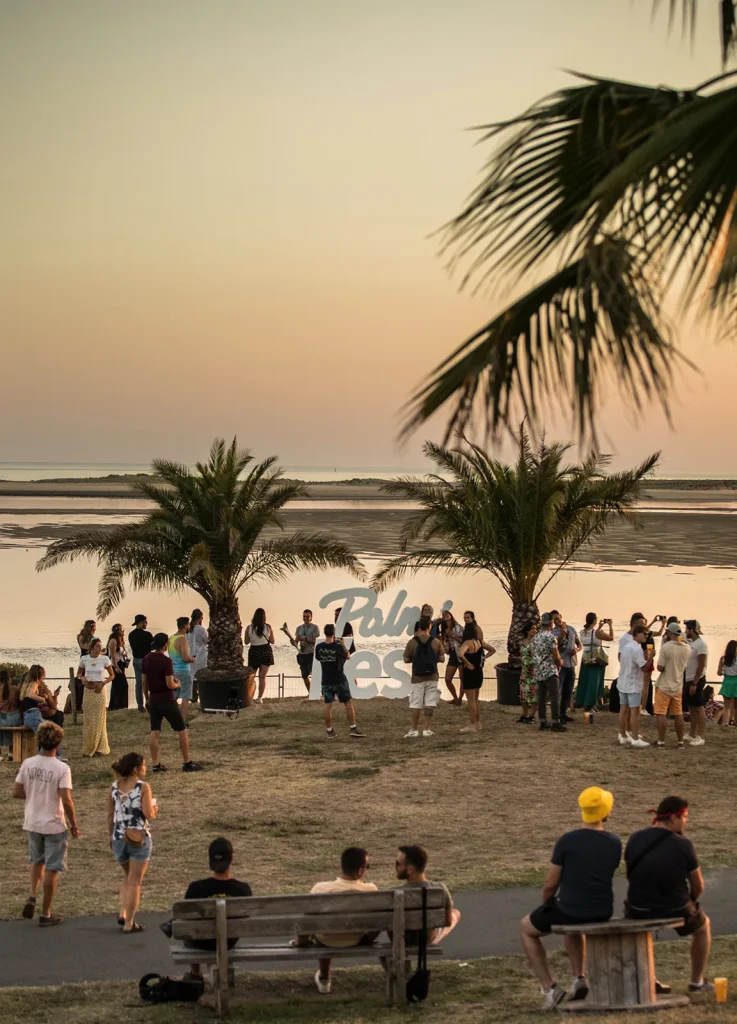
136,928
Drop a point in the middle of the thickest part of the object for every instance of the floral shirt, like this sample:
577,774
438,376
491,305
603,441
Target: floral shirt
542,647
528,673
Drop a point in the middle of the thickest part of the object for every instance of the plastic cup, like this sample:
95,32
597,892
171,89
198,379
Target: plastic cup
720,990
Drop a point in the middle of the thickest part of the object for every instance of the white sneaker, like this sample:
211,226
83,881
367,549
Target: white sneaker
640,743
697,741
644,713
427,732
323,987
553,996
625,741
413,734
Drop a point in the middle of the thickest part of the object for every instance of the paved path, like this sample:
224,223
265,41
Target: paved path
92,948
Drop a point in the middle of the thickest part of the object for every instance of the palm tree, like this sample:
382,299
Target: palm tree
204,534
607,194
512,521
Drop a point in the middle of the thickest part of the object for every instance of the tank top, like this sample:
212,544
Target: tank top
256,640
176,659
476,660
128,811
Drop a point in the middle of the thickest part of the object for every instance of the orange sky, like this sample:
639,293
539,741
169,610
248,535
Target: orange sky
216,216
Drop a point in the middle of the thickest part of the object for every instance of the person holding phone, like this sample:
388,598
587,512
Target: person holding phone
38,704
594,660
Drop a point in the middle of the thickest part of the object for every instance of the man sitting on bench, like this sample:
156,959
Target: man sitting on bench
354,863
410,865
665,881
219,885
581,871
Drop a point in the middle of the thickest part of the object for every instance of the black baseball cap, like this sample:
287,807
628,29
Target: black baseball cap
159,640
139,618
220,853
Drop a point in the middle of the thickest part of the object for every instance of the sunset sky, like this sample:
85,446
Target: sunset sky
216,216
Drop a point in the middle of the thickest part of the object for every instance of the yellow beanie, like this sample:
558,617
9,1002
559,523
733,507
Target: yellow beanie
596,804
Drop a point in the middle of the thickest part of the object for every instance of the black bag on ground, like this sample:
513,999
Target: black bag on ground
614,698
155,988
418,986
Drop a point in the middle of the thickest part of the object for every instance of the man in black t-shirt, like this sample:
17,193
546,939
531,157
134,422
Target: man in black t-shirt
158,689
140,641
665,880
581,871
332,656
220,885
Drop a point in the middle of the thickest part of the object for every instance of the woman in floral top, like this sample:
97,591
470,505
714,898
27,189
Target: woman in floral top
527,684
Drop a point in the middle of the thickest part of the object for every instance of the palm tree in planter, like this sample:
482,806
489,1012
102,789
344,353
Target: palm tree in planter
204,534
516,522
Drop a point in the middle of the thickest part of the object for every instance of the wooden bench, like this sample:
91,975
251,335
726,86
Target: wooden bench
620,966
24,743
274,918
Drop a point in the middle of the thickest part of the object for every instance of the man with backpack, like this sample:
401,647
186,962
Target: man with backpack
423,653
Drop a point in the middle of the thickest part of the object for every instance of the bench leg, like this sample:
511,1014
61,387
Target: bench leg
222,994
18,746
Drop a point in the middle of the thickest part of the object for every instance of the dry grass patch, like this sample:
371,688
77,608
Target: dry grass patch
498,989
488,807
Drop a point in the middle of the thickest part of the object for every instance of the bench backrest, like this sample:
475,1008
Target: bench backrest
329,913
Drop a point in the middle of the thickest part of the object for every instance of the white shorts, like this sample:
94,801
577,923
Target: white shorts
424,695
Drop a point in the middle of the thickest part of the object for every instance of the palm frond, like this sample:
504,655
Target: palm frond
593,322
727,10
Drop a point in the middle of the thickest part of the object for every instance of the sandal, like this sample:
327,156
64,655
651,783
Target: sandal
135,928
121,922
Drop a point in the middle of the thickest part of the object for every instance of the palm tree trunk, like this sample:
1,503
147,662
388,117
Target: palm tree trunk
522,613
225,636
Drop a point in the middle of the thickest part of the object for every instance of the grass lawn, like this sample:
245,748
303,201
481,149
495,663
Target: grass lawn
498,989
487,806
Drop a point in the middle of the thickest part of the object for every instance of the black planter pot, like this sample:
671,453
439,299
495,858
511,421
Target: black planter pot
507,684
222,694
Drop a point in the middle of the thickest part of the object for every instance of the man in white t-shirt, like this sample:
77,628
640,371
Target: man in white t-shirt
696,681
354,863
45,783
632,661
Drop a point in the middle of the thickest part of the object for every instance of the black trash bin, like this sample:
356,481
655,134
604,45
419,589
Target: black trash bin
222,694
507,684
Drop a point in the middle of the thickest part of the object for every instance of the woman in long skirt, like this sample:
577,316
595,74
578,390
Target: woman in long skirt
590,690
96,670
118,655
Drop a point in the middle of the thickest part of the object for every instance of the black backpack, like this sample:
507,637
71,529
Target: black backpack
425,661
154,988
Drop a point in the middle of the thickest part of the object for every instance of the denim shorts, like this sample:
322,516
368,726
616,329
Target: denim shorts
49,850
184,678
123,851
631,700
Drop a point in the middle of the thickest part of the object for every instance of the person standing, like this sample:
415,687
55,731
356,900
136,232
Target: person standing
569,645
259,639
332,656
199,644
159,685
423,652
668,695
140,640
347,634
546,661
527,684
471,654
451,634
118,654
96,671
130,808
84,639
728,669
594,660
182,660
45,783
10,715
305,639
633,663
665,880
696,681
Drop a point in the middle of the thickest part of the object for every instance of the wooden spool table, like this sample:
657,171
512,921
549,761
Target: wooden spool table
24,742
620,966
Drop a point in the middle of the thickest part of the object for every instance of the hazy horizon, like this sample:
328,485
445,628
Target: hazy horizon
218,218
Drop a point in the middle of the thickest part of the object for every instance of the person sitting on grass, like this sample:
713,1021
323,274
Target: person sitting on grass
411,864
158,691
332,656
665,880
45,783
354,863
220,885
581,871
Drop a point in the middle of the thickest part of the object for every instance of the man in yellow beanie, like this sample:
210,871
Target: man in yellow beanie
581,870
